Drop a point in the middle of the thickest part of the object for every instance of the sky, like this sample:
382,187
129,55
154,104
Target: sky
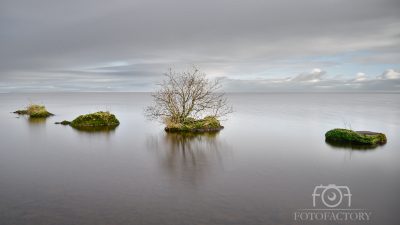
255,46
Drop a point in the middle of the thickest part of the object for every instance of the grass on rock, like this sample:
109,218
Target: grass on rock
95,119
192,125
34,110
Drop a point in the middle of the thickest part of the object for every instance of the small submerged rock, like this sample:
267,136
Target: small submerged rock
63,122
21,112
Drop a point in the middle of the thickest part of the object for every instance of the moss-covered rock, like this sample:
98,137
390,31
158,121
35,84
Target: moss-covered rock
95,119
65,122
34,111
350,136
209,123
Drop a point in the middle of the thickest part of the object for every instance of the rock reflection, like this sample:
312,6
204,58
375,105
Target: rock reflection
38,121
188,157
349,146
96,130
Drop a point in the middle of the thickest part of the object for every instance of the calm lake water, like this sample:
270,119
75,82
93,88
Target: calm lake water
261,169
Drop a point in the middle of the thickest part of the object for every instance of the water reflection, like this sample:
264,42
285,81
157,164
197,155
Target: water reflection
38,121
188,157
96,130
349,146
35,124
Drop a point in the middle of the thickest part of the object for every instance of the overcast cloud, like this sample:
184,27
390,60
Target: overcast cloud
73,46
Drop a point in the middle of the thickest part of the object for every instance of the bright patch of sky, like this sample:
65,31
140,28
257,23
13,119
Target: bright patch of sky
336,66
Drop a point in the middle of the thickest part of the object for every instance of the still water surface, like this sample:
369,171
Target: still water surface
261,169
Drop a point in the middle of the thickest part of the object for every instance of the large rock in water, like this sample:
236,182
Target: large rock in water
356,137
95,119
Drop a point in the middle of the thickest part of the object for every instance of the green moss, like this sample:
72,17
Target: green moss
343,135
191,125
40,114
189,120
95,119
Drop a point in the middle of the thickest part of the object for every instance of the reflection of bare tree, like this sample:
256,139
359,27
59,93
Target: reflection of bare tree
188,156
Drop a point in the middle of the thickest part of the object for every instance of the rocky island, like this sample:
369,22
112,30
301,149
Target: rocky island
34,110
94,119
355,137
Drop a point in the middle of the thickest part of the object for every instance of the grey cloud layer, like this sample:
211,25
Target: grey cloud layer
58,43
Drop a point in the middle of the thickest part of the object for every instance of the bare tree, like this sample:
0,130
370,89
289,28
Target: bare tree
187,94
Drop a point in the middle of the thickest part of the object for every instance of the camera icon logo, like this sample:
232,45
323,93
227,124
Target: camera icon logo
331,195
